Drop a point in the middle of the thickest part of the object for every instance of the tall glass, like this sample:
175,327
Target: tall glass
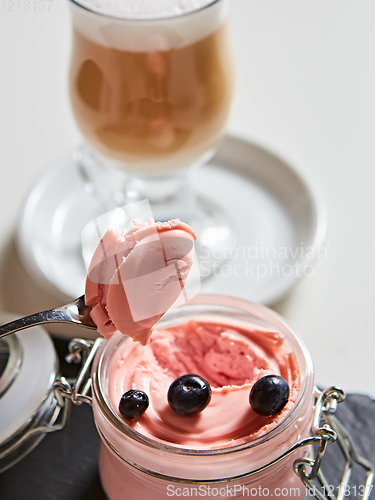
151,92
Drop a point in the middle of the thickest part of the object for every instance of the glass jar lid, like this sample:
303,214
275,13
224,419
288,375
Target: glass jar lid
28,369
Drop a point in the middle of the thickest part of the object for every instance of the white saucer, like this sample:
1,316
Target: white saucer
279,213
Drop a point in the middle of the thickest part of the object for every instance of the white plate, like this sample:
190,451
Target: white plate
279,213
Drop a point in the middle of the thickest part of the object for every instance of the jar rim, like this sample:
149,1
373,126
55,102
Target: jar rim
210,300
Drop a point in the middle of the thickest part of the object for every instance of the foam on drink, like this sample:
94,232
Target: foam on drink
144,8
137,26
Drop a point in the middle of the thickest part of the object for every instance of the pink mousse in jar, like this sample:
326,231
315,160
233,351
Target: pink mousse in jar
225,450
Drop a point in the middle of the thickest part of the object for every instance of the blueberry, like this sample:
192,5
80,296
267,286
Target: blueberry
133,404
189,394
269,395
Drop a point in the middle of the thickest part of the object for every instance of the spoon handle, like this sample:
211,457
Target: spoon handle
75,312
40,318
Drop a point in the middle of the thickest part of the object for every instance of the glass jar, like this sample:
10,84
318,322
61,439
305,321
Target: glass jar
134,466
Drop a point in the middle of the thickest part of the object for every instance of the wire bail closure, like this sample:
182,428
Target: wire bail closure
66,391
76,391
329,432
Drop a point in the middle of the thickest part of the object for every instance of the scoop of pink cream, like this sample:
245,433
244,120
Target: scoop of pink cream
134,277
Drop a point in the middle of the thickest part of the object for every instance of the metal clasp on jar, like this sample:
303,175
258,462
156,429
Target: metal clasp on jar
80,351
327,429
64,393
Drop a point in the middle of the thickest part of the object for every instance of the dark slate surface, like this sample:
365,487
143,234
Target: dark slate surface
357,413
64,465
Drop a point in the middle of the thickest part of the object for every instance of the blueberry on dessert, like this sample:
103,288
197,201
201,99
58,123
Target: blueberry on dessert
189,394
269,395
133,404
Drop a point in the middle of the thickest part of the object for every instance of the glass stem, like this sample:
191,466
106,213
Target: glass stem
167,194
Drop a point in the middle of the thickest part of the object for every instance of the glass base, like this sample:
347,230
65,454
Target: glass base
280,222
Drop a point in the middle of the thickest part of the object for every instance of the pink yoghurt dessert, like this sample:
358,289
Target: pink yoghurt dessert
136,276
133,279
227,448
230,357
136,273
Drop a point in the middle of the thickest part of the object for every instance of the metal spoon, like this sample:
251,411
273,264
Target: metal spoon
76,312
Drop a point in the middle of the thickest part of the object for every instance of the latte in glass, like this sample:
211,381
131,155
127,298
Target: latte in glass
151,89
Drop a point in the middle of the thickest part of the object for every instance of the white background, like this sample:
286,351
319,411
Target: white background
306,87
